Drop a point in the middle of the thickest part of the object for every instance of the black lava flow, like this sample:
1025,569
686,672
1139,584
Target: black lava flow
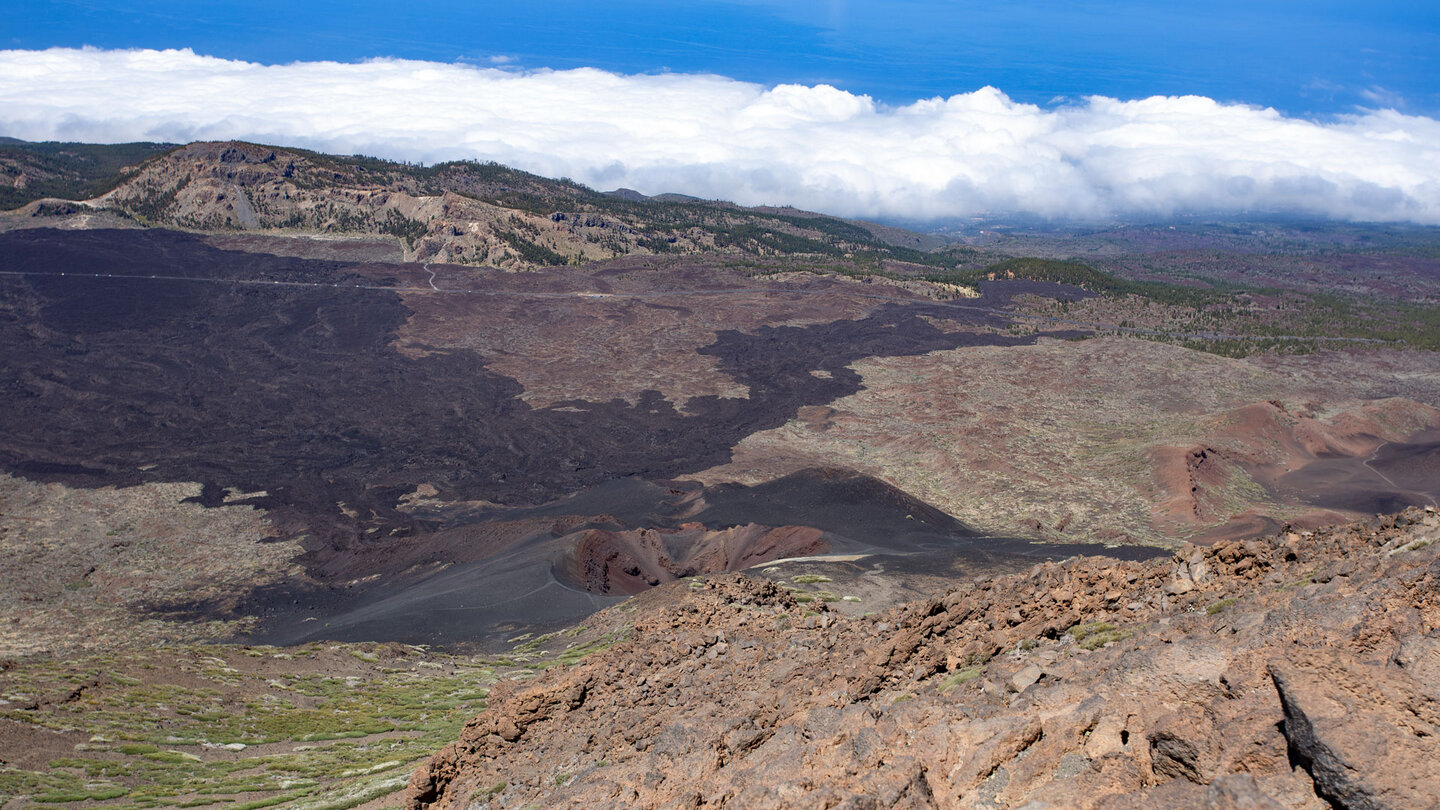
299,391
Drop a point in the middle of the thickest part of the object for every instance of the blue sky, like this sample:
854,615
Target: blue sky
1310,58
1100,109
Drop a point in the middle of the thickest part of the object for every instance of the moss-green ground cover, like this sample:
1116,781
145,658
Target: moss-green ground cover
321,726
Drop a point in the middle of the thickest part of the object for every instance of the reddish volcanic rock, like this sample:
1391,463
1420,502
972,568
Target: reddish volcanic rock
630,561
1359,728
1292,456
1294,671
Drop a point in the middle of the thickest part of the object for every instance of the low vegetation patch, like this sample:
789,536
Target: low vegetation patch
1308,579
1217,607
341,724
1413,545
960,677
1094,635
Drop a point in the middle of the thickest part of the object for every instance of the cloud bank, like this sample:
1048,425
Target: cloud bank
813,147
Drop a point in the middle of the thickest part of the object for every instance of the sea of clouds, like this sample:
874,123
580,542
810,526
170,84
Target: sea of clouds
814,147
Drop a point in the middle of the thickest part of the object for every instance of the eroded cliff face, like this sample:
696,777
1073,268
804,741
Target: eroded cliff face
459,213
1298,670
239,186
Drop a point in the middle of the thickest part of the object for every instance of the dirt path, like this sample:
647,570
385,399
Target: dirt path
1371,467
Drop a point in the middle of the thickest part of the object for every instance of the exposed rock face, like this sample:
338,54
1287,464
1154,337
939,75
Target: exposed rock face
461,213
1359,728
226,186
1298,671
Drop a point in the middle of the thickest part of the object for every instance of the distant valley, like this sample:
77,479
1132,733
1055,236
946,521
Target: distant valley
260,396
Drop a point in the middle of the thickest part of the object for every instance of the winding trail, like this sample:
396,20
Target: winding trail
1371,467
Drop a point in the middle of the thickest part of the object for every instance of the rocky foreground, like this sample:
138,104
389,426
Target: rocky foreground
1300,670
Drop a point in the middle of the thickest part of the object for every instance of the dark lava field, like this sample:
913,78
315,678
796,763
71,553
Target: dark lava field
136,356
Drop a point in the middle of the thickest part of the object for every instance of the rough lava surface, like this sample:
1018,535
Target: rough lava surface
397,425
1296,670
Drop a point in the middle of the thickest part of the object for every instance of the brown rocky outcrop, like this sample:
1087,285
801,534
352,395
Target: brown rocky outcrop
241,186
1357,726
457,213
1296,670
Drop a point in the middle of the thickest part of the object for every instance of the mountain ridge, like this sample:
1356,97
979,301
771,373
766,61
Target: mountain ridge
462,212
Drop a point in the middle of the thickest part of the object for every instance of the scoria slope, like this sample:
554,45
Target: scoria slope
1297,670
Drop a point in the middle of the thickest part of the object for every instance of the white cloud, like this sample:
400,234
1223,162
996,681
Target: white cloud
1381,97
814,147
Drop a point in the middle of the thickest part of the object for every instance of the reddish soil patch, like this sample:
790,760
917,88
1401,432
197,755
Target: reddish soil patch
632,561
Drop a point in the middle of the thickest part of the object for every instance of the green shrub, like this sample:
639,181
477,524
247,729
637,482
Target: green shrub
96,795
1094,635
1099,640
1221,605
959,677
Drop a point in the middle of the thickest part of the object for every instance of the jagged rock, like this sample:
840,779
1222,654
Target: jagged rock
1179,587
1365,732
1238,792
1177,708
1023,679
1183,745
